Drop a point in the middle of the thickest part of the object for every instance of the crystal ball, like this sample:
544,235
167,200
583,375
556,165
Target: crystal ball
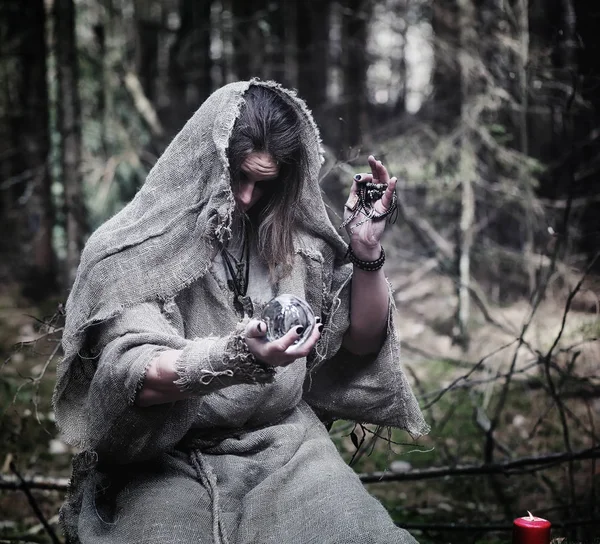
287,312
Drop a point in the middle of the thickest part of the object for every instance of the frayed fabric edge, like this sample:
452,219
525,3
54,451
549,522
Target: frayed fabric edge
225,362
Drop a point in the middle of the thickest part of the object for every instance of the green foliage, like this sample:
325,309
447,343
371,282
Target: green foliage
500,134
114,136
113,141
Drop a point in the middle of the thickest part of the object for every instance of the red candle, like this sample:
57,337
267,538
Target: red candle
531,530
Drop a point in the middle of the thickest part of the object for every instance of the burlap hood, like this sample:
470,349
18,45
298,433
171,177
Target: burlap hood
164,239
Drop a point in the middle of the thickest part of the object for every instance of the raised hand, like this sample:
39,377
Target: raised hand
366,226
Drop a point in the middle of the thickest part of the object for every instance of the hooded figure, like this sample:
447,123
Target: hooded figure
239,453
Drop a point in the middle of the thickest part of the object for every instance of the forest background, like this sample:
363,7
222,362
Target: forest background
488,112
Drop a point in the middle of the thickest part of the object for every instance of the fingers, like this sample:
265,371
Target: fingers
353,196
374,168
255,329
288,340
380,173
362,177
278,352
315,335
283,351
303,349
388,195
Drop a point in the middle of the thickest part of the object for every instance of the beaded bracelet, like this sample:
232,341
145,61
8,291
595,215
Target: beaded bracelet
369,266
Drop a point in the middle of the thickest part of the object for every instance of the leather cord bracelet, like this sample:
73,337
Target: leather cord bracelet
369,266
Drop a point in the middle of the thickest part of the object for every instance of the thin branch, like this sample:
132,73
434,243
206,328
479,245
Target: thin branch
570,298
425,231
554,392
23,486
142,103
37,380
34,482
466,376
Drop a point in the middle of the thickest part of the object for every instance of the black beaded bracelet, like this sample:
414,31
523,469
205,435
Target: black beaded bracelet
369,266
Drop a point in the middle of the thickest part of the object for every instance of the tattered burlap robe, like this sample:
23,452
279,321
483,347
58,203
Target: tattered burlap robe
245,463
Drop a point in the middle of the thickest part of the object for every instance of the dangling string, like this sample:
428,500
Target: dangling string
239,274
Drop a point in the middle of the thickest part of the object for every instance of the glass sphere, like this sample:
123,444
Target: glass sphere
287,312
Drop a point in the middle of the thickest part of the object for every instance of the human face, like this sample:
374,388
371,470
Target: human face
257,170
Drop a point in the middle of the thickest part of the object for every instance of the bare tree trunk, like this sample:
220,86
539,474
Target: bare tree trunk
26,183
69,123
227,34
36,143
400,65
569,42
278,41
147,28
523,65
290,48
191,65
100,37
313,47
354,39
467,165
248,37
585,27
446,103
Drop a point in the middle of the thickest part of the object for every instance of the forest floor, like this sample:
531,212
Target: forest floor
460,389
465,390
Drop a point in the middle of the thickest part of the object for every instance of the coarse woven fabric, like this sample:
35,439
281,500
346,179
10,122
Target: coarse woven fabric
212,468
300,495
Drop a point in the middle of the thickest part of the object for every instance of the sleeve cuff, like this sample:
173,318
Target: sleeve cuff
214,363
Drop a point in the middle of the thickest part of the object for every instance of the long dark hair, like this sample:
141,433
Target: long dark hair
267,123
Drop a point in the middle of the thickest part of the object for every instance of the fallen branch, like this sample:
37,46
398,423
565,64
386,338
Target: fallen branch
538,463
34,482
506,468
23,539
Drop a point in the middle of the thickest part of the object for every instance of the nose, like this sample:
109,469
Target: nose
245,193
